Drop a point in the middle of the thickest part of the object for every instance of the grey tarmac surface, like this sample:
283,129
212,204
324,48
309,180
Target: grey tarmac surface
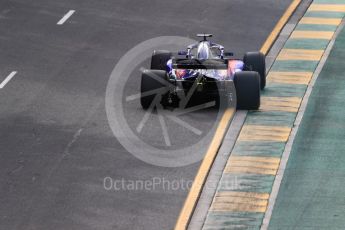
56,144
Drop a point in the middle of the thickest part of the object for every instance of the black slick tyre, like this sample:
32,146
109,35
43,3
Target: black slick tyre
152,80
255,61
159,59
247,84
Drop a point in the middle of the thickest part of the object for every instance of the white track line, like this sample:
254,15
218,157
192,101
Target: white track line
65,17
7,79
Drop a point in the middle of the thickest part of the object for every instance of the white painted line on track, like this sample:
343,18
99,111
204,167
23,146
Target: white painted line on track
65,17
7,79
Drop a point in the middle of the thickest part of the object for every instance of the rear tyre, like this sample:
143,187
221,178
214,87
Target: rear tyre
255,61
247,84
153,80
159,59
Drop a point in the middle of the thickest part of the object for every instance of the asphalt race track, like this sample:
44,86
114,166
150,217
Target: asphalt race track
56,143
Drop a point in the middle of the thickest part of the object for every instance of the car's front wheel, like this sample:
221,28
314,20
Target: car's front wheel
159,59
255,61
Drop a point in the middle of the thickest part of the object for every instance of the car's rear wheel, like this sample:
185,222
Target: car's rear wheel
255,61
159,59
247,84
154,85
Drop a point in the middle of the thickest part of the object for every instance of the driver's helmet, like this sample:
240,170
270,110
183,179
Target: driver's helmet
203,50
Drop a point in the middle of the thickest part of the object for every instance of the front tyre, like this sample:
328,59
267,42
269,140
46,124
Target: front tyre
154,85
159,59
247,84
255,61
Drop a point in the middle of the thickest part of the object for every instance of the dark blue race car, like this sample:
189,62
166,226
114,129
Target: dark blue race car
204,68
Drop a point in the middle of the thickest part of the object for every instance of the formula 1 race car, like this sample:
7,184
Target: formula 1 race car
204,68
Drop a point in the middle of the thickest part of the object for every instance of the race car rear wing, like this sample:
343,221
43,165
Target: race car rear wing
199,64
